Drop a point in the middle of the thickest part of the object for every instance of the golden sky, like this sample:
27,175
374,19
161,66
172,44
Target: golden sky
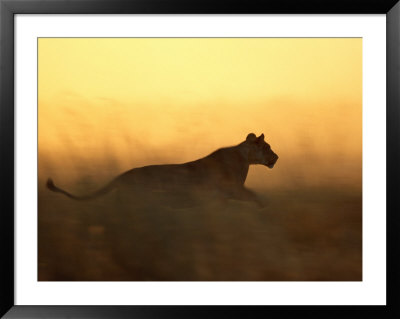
112,104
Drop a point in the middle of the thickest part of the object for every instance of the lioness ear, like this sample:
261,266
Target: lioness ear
261,137
251,137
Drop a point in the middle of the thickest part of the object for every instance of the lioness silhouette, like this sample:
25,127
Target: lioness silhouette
225,171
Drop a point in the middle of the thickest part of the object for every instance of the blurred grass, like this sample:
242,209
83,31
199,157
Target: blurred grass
303,234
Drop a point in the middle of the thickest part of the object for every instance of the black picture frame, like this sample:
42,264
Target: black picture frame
8,9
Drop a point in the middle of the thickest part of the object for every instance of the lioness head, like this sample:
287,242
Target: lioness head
260,152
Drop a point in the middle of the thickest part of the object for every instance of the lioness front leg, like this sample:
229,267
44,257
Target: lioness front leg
247,195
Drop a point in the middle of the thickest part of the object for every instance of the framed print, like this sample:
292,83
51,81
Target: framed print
161,158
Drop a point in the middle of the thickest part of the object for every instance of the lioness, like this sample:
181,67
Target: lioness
224,170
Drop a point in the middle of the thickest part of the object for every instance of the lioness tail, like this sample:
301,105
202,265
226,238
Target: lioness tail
51,186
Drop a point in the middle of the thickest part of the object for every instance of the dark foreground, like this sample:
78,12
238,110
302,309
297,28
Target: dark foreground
301,235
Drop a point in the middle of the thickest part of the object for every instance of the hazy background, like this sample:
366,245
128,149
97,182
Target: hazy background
107,105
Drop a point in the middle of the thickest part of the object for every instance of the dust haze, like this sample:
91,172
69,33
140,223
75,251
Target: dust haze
310,228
